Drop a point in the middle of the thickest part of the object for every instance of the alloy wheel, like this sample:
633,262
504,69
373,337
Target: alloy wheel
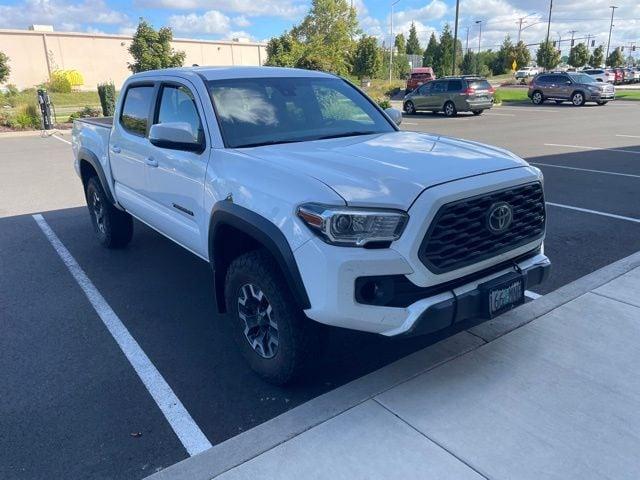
256,313
98,211
578,99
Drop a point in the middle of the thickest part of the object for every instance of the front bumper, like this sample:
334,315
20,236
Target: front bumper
601,96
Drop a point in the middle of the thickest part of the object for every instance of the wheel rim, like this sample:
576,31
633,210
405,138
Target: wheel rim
449,109
408,107
255,312
577,99
537,97
98,211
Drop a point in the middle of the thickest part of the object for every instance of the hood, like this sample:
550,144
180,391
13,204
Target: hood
388,169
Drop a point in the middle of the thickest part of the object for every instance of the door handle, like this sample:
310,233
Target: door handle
115,149
152,162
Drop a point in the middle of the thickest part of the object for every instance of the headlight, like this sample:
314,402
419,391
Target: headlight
595,89
353,227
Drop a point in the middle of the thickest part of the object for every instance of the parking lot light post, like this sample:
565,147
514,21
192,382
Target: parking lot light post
549,20
455,39
392,42
606,57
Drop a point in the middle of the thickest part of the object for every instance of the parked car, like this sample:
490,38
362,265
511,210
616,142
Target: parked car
308,213
577,88
451,95
618,76
526,72
418,77
599,74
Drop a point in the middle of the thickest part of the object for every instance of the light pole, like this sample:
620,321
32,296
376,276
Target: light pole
521,20
392,43
549,21
479,23
466,47
613,9
455,39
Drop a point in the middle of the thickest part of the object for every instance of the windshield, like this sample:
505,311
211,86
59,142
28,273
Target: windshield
582,78
264,111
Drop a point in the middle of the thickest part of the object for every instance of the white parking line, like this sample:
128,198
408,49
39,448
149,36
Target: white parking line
532,295
500,114
192,438
61,139
528,109
595,212
586,170
629,136
582,147
409,123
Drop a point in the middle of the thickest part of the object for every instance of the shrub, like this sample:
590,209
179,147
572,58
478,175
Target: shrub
383,103
58,84
86,112
107,94
26,116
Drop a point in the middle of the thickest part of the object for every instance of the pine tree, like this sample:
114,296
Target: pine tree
597,57
431,52
413,44
400,44
578,56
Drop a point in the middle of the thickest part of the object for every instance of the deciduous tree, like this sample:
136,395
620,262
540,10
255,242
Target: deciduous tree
616,58
547,56
597,57
5,70
579,55
151,49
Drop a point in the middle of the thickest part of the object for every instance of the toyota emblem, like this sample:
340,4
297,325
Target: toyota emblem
499,217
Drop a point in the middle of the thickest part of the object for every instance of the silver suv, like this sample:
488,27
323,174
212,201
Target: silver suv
575,87
451,95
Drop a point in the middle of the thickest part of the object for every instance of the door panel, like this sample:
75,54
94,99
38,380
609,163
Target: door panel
176,177
420,100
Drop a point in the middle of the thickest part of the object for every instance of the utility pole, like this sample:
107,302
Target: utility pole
466,47
549,21
613,9
589,37
572,32
520,22
392,44
455,39
479,23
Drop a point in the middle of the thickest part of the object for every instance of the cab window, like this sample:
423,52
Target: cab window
178,105
134,117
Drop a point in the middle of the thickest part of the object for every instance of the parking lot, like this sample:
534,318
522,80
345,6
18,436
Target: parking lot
73,406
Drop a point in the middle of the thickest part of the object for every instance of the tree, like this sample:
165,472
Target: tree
151,49
367,58
597,57
431,52
522,54
504,57
5,70
444,58
469,63
579,55
400,44
616,58
547,56
413,44
283,51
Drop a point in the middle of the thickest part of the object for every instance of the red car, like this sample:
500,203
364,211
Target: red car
418,77
619,76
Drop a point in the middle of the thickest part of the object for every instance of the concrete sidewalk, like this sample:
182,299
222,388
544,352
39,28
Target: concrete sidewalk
550,390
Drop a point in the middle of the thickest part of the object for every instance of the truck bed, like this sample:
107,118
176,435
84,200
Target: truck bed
106,122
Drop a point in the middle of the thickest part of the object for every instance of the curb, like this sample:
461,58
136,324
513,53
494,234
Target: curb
264,437
33,133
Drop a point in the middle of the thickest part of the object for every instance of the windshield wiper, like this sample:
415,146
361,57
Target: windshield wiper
346,134
267,142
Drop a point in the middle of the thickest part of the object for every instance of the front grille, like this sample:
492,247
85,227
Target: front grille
459,235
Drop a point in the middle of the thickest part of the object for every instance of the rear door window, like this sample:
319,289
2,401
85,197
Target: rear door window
134,117
438,87
454,86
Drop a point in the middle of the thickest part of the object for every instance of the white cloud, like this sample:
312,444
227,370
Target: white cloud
212,22
434,10
241,21
250,8
62,14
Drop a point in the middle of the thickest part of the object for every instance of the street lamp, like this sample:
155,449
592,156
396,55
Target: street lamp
521,20
392,42
613,9
549,21
479,23
455,39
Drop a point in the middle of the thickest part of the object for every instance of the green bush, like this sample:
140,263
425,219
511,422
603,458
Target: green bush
383,103
58,84
86,112
26,117
107,94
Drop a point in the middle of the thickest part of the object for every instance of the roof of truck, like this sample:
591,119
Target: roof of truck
225,73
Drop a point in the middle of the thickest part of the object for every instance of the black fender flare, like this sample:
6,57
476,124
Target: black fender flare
264,232
88,156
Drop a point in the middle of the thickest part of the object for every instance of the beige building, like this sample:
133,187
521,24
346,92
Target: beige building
34,54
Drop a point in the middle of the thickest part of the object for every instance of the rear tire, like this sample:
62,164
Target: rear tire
537,98
274,336
478,112
450,109
113,227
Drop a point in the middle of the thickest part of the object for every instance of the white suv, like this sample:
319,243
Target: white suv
312,206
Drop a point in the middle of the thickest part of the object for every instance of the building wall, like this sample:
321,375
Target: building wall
99,58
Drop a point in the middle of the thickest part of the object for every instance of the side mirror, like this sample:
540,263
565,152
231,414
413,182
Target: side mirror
568,82
395,115
175,136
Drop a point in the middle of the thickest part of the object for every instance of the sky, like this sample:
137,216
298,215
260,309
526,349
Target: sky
259,20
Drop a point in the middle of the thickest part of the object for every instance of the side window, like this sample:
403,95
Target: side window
544,79
438,87
178,105
135,110
424,89
454,86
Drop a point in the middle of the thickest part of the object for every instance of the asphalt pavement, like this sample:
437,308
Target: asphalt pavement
74,407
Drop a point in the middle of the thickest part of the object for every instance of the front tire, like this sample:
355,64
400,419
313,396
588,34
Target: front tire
450,109
578,99
273,334
113,227
537,98
602,102
478,112
409,107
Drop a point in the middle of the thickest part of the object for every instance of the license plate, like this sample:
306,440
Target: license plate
503,294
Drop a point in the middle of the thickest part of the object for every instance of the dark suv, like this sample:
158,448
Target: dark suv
451,95
575,87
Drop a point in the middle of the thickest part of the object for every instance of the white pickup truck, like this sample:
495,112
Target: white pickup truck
312,206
